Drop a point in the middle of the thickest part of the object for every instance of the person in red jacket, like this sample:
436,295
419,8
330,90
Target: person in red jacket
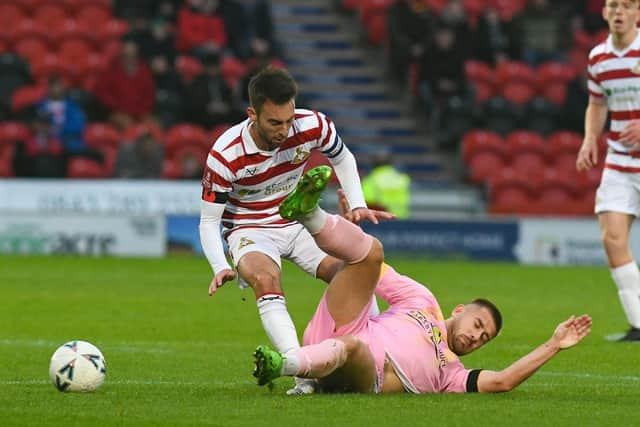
201,28
126,88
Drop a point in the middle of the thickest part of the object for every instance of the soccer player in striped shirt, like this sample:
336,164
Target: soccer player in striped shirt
250,170
614,85
410,347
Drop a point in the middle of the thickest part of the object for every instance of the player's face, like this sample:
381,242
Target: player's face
622,15
473,327
273,123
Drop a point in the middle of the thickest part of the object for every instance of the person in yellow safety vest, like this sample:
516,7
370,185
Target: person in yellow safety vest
389,189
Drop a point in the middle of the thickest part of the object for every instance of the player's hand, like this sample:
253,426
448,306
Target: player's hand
630,136
220,279
587,156
359,214
572,331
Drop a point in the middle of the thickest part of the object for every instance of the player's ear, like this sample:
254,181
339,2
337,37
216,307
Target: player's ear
458,309
252,114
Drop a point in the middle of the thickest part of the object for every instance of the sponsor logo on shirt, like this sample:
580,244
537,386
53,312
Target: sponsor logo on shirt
301,156
245,242
281,186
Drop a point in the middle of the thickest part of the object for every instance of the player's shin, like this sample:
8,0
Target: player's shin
343,240
627,279
317,360
277,323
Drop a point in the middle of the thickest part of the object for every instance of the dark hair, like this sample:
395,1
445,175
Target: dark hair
273,84
495,313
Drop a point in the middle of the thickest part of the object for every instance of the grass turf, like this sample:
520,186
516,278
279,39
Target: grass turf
178,357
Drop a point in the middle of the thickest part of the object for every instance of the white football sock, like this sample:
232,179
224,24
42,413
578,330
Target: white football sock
627,278
277,323
314,221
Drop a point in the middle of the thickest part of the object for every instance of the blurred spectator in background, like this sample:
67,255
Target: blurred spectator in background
191,167
441,72
140,159
158,40
491,38
540,33
41,155
209,100
126,88
592,16
386,188
410,23
261,57
247,20
575,103
201,28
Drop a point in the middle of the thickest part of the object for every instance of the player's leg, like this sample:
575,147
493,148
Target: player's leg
341,364
352,287
617,203
258,265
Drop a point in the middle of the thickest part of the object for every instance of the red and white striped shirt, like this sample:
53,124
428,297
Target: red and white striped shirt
257,181
614,76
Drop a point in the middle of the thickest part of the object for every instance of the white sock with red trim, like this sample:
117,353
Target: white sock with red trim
277,323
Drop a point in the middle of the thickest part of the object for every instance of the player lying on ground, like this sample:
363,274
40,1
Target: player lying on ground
411,346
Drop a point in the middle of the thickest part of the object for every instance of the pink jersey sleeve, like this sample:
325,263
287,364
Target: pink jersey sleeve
455,378
399,290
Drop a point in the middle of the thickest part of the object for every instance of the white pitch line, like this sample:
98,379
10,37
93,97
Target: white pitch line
128,382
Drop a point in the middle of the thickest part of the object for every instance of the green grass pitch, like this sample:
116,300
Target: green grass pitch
178,357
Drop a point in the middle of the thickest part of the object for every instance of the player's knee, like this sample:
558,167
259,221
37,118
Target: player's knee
612,239
376,253
264,282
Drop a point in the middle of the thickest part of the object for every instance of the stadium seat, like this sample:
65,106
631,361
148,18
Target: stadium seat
559,192
553,72
478,71
484,153
112,30
562,149
171,169
136,130
11,132
517,92
217,131
556,93
31,47
50,65
7,154
526,150
232,69
377,31
187,135
27,96
11,15
80,167
508,8
101,134
50,15
515,71
76,51
93,14
513,192
73,6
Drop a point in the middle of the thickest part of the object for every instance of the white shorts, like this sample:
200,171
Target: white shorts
292,242
618,191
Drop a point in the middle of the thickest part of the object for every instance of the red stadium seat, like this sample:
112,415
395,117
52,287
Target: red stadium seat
517,92
27,96
188,67
217,131
478,71
377,31
187,135
559,192
75,51
11,132
556,93
10,16
80,167
50,15
101,134
553,73
513,192
112,30
484,153
563,147
515,71
508,8
232,70
32,48
527,151
483,92
436,5
94,15
51,65
138,129
7,153
71,29
73,6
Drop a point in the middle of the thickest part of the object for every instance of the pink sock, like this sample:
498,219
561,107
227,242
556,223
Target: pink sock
343,240
319,360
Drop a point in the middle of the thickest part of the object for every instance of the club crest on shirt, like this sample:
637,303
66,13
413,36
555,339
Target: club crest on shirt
636,68
301,156
245,242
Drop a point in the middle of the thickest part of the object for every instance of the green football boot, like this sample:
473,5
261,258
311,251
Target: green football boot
304,199
268,364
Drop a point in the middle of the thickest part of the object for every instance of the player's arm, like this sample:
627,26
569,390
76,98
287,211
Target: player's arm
211,210
595,119
567,334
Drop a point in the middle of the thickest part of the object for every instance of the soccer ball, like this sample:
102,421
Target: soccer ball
77,366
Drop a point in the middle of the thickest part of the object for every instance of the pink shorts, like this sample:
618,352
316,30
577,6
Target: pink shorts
322,327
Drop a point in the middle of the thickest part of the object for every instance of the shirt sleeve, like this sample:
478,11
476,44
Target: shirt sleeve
593,85
458,379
